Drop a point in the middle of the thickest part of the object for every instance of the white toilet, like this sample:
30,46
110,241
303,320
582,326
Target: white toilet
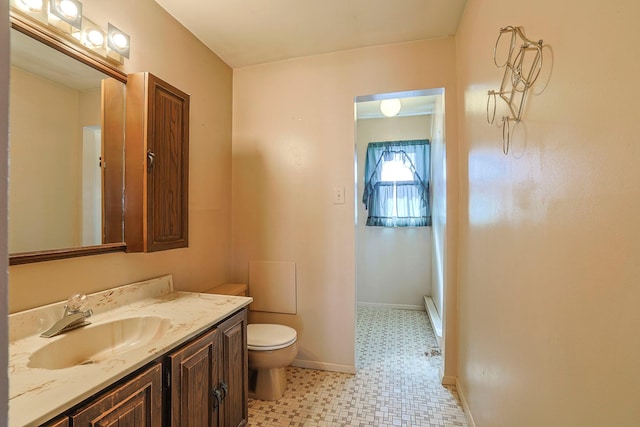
271,349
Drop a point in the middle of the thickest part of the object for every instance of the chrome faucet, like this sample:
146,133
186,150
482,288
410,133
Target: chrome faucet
74,316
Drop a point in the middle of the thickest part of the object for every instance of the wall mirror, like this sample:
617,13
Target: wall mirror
66,148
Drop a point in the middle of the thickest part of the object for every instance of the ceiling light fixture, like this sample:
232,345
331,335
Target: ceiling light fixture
390,107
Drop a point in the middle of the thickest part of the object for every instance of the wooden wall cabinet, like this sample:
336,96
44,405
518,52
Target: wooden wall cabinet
113,118
157,165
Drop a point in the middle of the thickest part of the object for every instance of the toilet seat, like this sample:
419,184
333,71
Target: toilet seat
266,336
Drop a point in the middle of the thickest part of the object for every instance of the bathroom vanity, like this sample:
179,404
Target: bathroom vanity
151,357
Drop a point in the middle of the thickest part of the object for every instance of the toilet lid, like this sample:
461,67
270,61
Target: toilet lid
266,336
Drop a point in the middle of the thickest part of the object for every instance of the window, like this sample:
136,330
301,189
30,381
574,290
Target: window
396,192
397,169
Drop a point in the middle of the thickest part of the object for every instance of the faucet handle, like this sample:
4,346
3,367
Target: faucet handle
76,303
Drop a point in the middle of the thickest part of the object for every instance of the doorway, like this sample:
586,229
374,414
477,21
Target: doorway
402,267
91,185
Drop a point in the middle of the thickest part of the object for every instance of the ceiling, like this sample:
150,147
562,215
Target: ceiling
249,32
410,106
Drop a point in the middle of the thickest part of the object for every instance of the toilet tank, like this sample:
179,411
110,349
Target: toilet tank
235,289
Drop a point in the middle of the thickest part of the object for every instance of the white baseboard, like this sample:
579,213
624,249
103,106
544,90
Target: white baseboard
396,306
322,366
434,318
465,404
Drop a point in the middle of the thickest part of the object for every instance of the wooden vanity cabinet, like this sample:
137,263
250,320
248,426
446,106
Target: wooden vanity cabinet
203,383
194,377
136,403
235,369
58,422
209,382
157,165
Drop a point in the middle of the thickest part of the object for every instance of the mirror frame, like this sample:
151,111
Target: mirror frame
44,35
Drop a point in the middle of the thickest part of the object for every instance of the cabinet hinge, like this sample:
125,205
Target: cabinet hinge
167,378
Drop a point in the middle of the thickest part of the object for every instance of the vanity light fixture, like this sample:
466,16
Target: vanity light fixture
65,16
118,41
93,37
35,9
32,6
69,11
390,107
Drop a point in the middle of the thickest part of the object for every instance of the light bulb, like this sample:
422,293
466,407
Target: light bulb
120,41
68,8
31,5
390,107
95,38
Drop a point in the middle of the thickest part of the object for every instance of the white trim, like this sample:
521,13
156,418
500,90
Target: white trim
397,306
406,94
465,404
434,318
322,366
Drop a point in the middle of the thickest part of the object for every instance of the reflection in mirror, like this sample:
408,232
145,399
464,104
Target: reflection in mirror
66,151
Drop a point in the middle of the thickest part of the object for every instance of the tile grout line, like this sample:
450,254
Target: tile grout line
396,387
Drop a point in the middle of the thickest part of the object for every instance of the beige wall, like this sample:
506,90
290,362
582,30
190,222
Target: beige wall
163,47
45,143
393,266
293,144
549,235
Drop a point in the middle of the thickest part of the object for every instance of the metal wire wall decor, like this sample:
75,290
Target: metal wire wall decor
522,67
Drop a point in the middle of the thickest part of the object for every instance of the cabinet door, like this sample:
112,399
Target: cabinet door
113,111
234,360
157,165
194,376
167,166
58,422
136,403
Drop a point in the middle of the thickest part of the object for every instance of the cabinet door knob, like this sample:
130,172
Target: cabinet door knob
225,389
151,157
217,398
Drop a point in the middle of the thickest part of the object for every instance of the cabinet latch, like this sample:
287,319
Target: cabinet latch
151,157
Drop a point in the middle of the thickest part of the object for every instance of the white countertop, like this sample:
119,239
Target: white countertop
36,395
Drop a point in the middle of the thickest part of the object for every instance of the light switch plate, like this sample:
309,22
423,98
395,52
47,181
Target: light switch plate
338,196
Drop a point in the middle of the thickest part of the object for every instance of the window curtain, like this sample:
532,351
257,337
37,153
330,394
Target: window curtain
398,203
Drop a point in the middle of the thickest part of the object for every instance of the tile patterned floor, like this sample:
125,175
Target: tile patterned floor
396,387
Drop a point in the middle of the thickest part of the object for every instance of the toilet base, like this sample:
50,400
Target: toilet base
267,384
267,372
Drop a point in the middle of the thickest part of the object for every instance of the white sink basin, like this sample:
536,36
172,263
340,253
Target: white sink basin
96,343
